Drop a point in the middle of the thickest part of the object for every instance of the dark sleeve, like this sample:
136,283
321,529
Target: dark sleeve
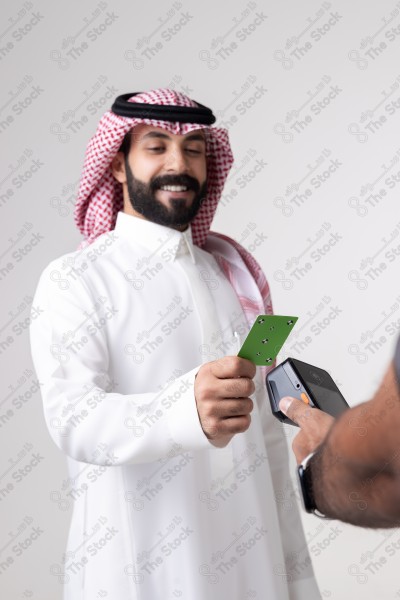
397,361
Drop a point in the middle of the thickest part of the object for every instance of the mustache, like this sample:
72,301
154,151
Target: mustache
190,182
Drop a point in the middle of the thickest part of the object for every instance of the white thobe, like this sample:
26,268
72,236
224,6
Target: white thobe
159,512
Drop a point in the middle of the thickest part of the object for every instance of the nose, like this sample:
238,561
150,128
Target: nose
176,161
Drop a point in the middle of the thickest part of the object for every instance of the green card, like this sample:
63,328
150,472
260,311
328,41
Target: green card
266,338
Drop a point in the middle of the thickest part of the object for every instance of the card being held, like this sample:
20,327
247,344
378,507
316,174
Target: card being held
266,338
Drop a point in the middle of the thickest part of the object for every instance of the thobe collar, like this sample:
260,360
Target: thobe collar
156,238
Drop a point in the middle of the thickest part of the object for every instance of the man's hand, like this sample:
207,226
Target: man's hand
314,424
222,389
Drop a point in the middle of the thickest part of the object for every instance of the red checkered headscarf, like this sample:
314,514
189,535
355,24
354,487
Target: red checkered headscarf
100,194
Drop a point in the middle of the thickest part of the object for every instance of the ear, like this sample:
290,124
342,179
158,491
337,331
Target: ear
118,167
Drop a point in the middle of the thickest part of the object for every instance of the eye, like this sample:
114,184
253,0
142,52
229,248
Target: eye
193,151
156,149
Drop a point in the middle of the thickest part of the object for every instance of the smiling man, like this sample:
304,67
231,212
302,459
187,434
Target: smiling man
167,433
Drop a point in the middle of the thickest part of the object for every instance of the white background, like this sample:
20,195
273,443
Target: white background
310,93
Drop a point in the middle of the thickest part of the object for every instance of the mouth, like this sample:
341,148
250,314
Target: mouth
174,188
175,191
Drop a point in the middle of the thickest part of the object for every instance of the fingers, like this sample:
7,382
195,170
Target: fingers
222,389
295,409
235,388
235,425
225,409
215,413
232,366
314,424
304,415
216,390
210,387
224,429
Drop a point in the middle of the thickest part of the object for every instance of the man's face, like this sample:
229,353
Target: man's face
165,175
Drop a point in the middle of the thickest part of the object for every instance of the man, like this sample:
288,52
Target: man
353,473
177,481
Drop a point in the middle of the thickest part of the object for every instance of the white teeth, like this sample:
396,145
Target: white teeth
174,188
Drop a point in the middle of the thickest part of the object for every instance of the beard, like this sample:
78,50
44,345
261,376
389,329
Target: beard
178,213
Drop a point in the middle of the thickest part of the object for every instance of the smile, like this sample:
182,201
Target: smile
174,188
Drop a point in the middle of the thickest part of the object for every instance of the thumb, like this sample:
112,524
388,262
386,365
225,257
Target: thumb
293,408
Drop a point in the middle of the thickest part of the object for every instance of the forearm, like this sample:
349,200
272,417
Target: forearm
356,471
133,428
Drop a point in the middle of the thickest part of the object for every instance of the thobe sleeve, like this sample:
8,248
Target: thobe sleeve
81,408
